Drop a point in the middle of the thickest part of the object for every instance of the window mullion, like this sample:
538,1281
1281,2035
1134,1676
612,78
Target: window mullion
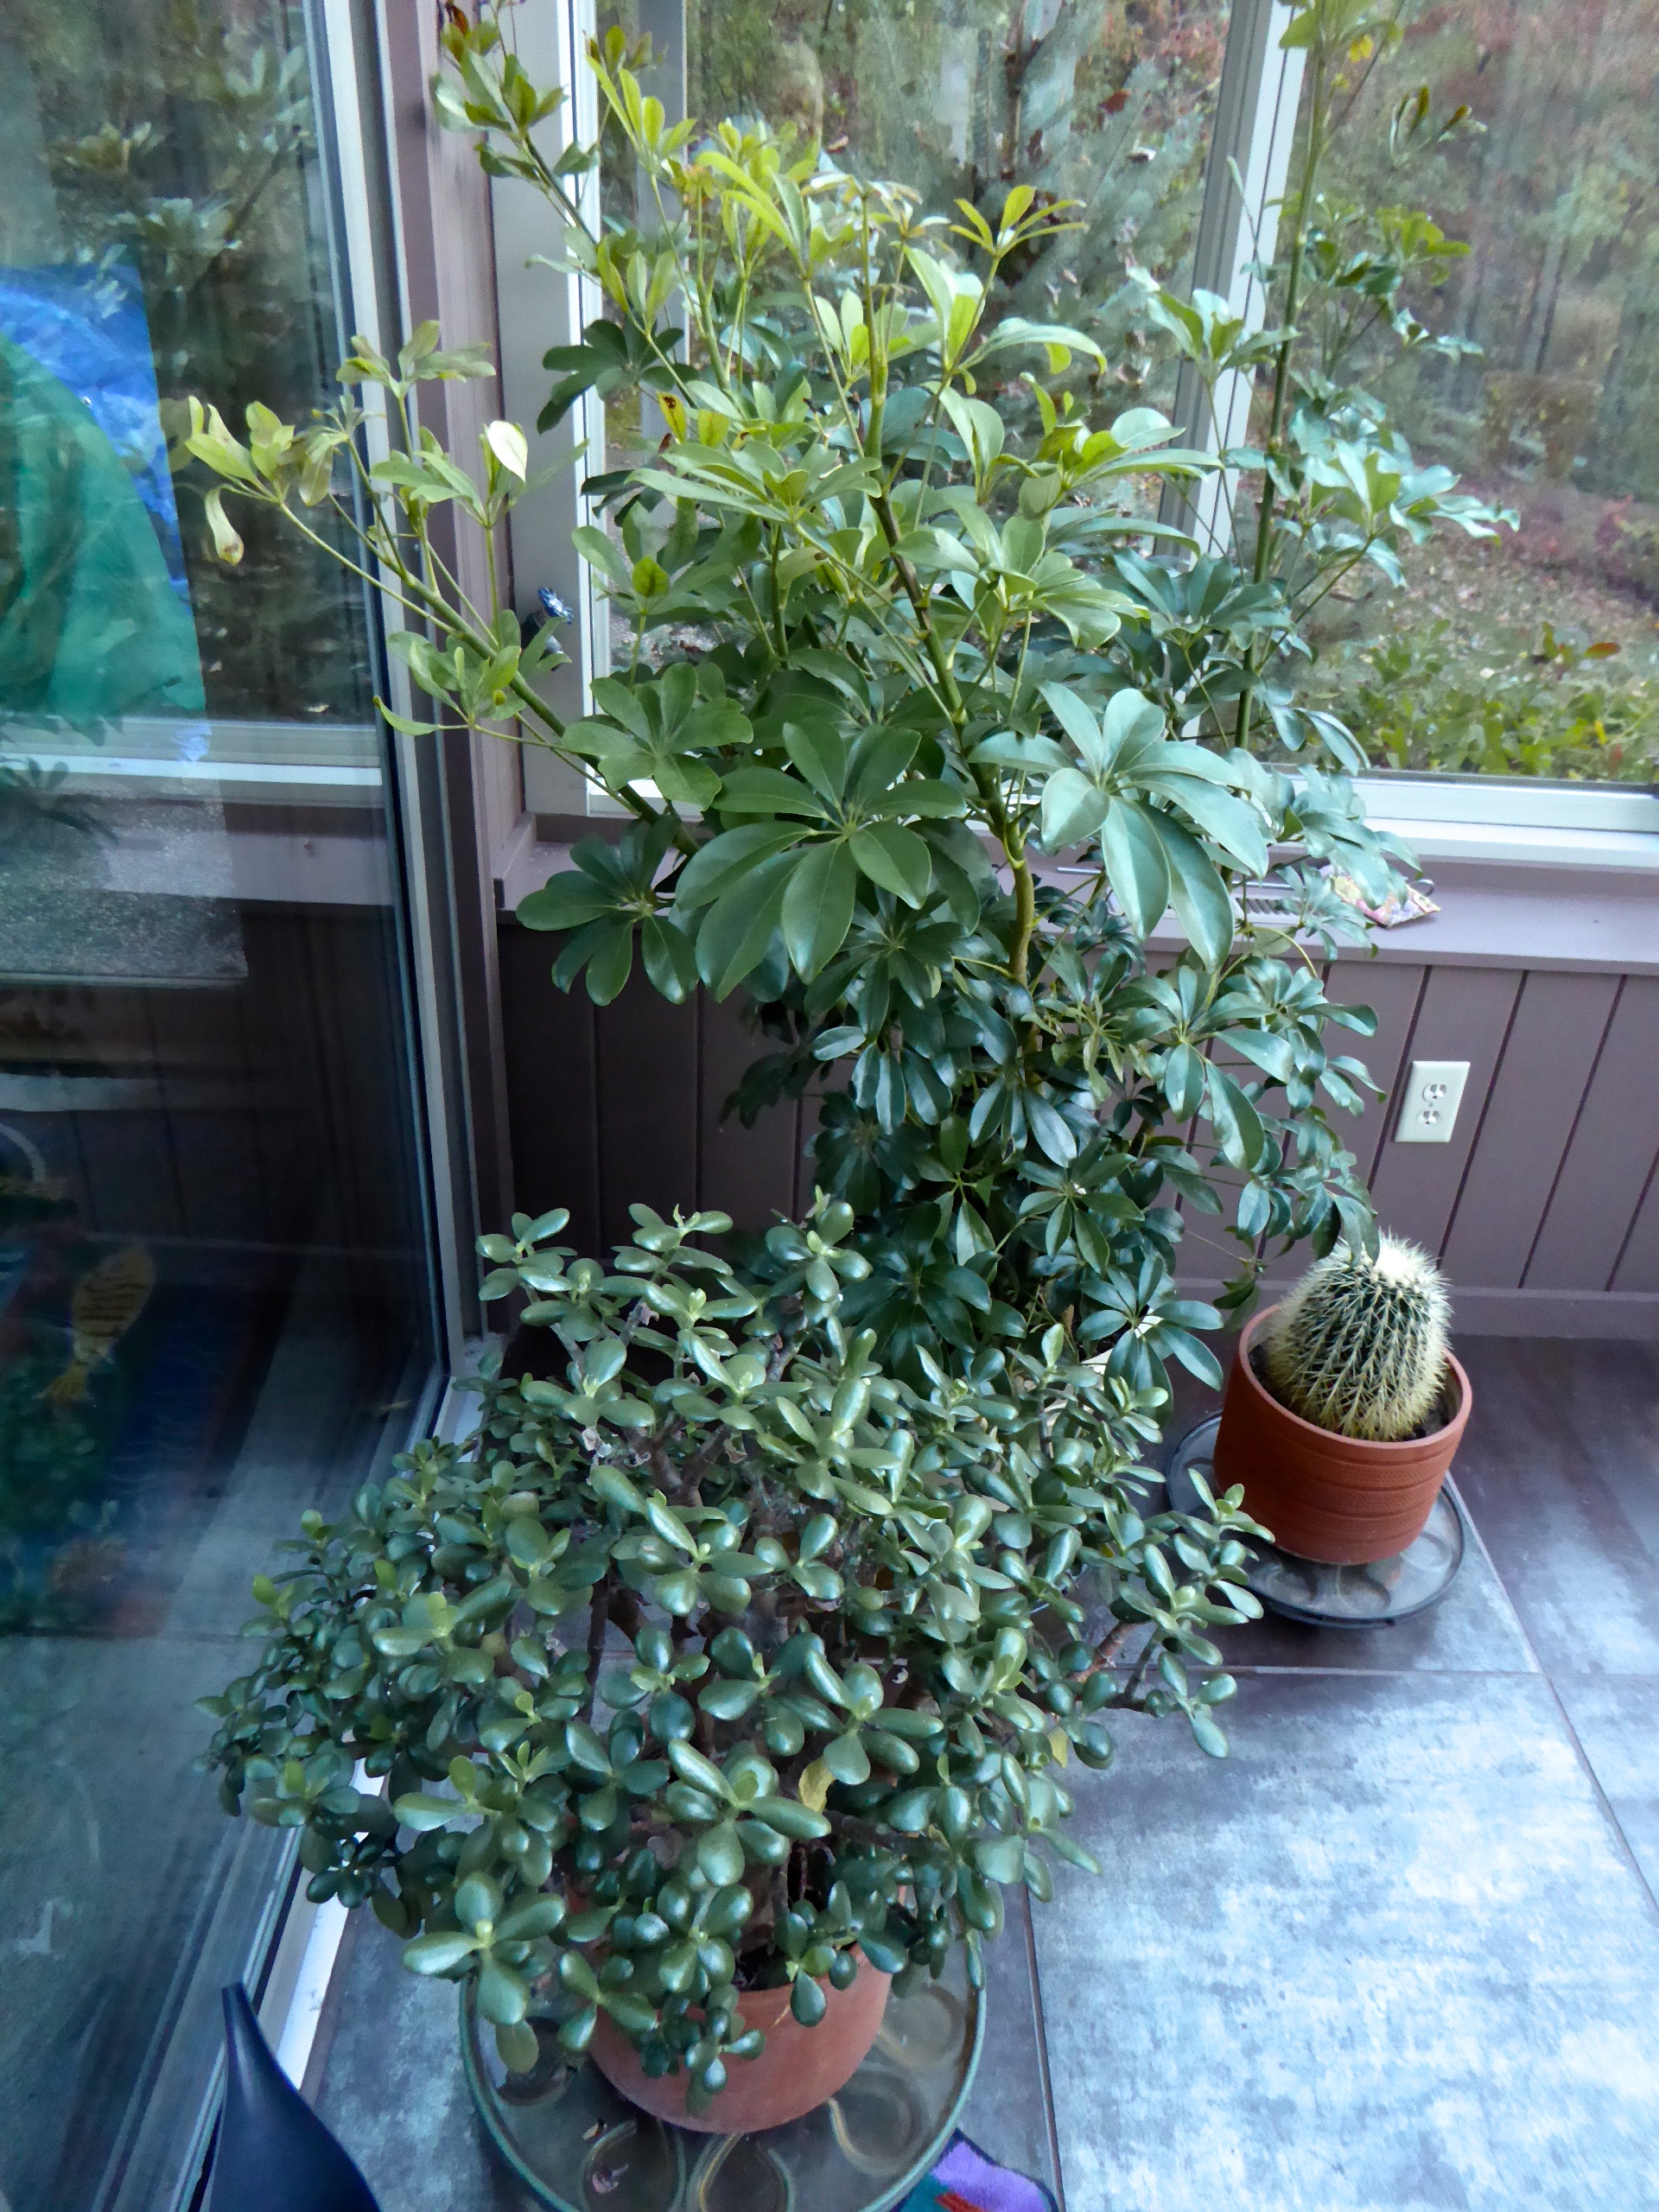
539,308
1255,129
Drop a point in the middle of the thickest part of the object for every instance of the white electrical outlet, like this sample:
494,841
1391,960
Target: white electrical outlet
1433,1094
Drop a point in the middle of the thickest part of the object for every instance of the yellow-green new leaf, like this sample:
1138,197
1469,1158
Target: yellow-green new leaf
227,546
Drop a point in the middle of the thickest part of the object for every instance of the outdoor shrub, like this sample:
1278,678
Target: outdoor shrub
1555,709
833,1658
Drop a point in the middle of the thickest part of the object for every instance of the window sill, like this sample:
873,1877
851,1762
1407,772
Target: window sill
1498,913
1495,910
1542,825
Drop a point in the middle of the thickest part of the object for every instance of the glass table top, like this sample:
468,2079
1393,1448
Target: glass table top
1333,1597
578,2146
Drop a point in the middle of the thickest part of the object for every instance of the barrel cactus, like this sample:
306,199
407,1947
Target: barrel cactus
1359,1345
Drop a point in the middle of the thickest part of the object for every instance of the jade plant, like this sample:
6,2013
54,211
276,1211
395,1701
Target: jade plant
1359,1346
927,727
720,1657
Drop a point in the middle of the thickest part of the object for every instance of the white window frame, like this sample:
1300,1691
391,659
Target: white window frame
1513,820
540,308
1257,108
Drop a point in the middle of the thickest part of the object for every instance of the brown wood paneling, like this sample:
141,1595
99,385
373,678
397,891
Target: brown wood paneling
1392,992
626,1105
131,1189
1610,1154
129,1186
749,1173
1638,1264
1522,1129
807,1130
550,1087
358,1042
648,1106
1464,1015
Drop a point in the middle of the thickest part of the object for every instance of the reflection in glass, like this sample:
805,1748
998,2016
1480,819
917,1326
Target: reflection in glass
576,2146
1537,655
213,1285
1086,100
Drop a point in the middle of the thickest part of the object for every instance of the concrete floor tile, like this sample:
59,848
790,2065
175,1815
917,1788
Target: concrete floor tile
1560,1470
1390,1957
1008,2113
392,2088
1472,1630
1616,1722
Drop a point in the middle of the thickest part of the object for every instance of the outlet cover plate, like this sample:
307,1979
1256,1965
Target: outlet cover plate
1434,1092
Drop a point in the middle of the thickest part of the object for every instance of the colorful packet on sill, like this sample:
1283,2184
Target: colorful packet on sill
1413,905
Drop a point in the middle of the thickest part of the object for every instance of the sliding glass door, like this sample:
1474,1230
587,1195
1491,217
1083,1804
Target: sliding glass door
216,1294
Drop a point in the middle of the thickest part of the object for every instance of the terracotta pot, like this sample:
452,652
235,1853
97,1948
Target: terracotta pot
799,2069
1339,1499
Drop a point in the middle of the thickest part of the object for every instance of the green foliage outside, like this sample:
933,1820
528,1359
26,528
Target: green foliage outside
1553,708
1106,107
1548,288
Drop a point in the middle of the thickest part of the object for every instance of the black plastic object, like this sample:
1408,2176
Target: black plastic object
274,2154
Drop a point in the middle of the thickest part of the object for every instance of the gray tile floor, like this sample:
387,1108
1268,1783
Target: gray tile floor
1399,1954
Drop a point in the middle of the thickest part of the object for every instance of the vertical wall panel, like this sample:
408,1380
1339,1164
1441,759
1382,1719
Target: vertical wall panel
626,1104
551,1088
1464,1015
648,1106
806,1130
1522,1135
208,1113
131,1189
749,1173
1638,1265
1392,992
1607,1160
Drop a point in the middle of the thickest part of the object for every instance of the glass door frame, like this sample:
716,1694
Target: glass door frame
392,233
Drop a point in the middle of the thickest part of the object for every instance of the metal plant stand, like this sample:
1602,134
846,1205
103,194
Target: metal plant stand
577,2147
1307,1590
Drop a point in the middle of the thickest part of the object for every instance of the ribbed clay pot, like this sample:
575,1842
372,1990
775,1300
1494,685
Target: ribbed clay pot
1339,1499
798,2070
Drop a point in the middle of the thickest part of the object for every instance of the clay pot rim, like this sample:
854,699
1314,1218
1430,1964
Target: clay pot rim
1382,1447
767,2096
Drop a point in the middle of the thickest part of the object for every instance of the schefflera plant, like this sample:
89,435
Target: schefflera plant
934,745
724,1658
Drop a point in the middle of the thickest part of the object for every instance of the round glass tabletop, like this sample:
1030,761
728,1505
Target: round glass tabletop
578,2146
1307,1590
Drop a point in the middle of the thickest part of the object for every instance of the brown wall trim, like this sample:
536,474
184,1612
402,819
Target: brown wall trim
448,272
1624,1316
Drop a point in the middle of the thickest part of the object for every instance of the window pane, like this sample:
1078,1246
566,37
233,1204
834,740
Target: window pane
1106,106
1538,655
213,1280
1089,100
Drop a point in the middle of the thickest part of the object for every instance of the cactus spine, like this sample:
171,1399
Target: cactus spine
1359,1345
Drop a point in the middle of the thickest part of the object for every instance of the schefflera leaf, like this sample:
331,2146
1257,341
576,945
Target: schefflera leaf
1157,808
